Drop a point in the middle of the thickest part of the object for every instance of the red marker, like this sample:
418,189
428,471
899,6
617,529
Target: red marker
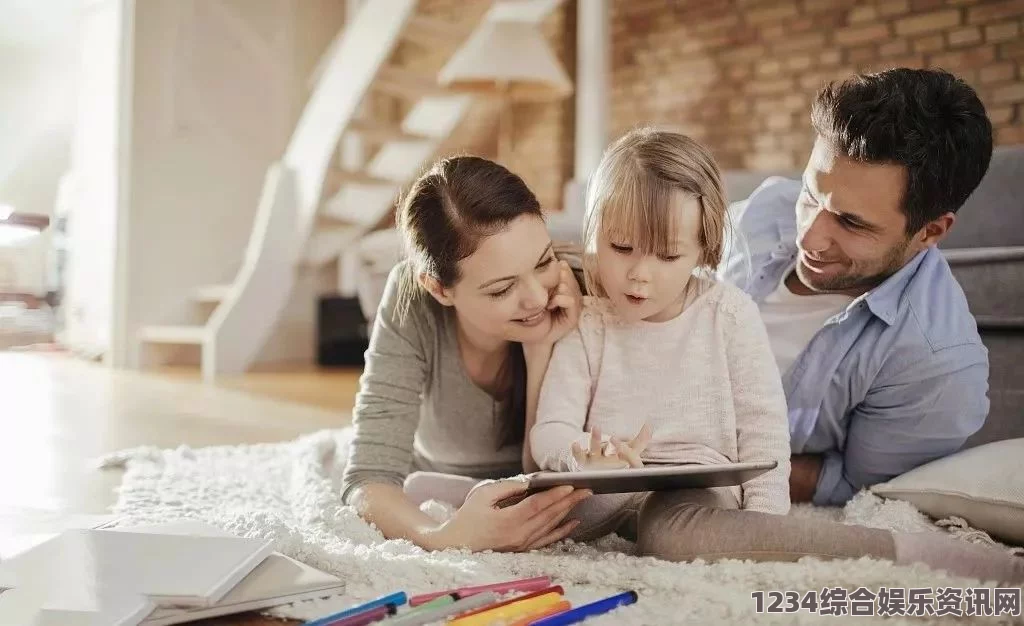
526,584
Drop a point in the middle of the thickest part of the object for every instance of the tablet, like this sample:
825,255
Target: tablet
649,478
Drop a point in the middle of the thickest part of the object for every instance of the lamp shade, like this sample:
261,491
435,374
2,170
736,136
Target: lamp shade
507,58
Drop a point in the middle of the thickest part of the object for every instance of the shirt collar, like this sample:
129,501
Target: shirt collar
884,300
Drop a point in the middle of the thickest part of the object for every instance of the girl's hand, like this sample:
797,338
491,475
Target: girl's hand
534,522
620,455
564,304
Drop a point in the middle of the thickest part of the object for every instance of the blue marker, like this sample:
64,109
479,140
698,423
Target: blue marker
398,599
581,613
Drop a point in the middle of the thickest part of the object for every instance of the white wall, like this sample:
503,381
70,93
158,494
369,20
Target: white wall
37,53
91,195
218,85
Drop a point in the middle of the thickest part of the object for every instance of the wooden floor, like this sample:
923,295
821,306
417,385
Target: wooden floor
58,414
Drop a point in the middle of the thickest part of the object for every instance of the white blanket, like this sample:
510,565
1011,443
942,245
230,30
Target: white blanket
289,492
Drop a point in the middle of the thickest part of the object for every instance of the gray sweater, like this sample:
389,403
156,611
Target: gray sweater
416,408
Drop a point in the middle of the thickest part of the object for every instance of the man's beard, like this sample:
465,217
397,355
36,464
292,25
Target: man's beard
855,280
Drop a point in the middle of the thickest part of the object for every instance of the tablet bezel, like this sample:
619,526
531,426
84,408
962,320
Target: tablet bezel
652,478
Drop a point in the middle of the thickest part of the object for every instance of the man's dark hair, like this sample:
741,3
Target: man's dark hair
929,121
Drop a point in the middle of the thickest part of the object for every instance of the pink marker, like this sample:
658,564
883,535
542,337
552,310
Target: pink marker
526,585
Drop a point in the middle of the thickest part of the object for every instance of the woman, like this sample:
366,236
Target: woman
465,326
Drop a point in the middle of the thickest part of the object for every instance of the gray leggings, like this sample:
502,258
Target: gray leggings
693,524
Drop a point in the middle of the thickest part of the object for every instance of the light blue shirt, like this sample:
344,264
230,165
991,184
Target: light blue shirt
897,379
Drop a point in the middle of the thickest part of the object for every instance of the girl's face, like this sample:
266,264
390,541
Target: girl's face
506,284
645,286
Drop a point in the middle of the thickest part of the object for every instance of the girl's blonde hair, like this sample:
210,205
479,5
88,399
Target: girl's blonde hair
631,194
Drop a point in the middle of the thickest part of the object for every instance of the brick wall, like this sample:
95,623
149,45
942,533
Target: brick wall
542,150
740,74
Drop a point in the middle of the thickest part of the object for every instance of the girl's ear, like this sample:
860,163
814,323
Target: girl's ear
434,288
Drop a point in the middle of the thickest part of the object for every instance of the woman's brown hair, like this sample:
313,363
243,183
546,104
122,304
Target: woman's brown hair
445,214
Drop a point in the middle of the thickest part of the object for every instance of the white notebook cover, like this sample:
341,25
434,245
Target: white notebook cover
277,581
23,528
172,570
48,607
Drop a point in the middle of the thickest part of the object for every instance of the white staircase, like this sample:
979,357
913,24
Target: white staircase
310,209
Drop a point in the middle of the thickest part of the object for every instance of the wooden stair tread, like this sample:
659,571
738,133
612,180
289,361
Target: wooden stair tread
184,335
403,83
431,32
327,221
337,177
211,294
380,132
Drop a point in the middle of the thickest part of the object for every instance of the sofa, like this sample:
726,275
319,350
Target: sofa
985,250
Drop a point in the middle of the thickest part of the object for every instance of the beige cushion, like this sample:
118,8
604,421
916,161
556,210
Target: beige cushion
983,485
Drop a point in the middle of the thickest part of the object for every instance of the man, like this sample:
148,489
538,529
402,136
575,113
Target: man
881,360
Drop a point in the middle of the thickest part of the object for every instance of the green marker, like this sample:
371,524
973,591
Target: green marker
433,604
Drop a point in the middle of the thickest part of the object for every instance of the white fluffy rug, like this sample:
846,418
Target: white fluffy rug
289,492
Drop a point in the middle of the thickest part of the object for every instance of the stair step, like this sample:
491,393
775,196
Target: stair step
211,294
337,177
326,221
396,161
431,32
402,83
182,335
324,245
381,132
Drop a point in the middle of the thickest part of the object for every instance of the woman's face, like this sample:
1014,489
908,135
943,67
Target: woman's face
505,285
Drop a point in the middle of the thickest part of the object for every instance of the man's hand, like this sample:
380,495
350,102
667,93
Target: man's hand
803,477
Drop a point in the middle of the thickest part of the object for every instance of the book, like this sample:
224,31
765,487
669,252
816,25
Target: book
23,528
171,570
277,581
38,606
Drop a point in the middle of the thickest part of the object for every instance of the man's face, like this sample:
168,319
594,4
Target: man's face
851,229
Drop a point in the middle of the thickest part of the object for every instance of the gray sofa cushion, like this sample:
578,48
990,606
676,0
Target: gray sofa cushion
993,217
993,281
985,249
1006,387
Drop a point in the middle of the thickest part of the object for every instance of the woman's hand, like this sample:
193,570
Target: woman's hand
534,522
564,304
620,455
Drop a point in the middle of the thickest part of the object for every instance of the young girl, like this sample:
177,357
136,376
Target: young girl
662,350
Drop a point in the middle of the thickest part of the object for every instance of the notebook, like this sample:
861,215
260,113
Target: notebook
171,570
45,607
22,528
277,581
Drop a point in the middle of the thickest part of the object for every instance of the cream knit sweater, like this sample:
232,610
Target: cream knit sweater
706,382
